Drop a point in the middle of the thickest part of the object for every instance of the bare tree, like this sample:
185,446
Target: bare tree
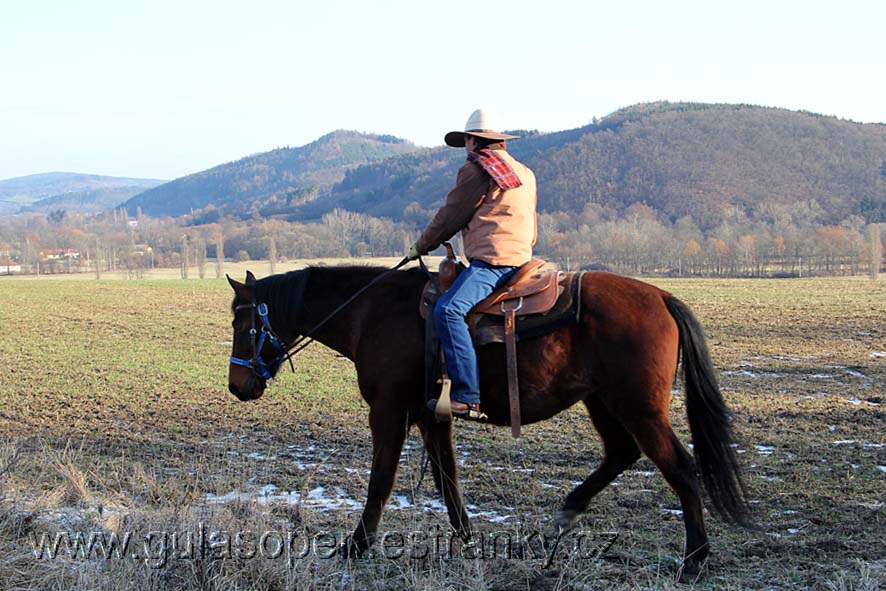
219,254
272,253
184,257
876,250
201,258
98,259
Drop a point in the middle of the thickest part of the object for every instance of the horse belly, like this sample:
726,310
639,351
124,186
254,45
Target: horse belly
551,378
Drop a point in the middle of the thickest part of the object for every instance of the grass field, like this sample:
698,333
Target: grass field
115,418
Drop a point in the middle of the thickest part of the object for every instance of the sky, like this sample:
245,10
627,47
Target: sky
161,89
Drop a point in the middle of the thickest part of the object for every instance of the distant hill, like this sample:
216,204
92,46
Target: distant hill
684,159
270,182
68,190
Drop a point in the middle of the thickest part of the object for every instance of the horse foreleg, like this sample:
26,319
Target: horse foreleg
442,454
435,465
388,434
620,451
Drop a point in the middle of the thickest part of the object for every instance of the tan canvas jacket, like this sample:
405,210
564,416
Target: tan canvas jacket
498,227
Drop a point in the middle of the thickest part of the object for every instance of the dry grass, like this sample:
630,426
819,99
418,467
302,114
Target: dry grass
114,418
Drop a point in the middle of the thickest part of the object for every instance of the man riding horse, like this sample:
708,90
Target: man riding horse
493,204
618,357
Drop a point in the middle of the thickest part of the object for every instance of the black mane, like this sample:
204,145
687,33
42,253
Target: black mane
284,293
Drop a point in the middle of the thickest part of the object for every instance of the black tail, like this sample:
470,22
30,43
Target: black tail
709,420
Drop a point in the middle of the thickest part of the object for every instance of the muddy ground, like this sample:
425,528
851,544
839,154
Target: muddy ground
115,418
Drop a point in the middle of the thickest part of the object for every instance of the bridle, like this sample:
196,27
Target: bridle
257,364
283,351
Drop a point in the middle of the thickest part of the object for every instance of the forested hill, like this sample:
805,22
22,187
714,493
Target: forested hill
683,159
68,190
271,181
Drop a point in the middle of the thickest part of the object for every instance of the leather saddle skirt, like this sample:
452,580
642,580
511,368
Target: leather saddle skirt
543,301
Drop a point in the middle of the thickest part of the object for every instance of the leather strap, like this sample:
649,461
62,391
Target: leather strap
511,352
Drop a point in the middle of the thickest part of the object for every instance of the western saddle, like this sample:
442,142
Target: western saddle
530,292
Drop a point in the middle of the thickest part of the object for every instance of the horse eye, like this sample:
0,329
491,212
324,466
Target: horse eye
236,325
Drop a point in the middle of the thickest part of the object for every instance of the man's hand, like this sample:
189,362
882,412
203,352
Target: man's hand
413,253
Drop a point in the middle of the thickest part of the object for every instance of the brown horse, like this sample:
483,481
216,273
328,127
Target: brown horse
620,361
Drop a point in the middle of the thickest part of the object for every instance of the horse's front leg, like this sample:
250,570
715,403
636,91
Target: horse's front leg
389,428
442,456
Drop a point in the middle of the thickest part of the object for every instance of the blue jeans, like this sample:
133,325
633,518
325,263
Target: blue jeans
472,286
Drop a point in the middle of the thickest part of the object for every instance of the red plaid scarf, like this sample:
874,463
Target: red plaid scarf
500,171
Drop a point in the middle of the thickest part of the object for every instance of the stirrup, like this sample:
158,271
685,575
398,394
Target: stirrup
472,413
440,407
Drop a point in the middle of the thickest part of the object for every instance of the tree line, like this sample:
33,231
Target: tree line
781,241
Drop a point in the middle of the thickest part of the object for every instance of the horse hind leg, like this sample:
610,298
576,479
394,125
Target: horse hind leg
619,452
660,444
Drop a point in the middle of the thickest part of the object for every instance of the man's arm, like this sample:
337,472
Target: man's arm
470,188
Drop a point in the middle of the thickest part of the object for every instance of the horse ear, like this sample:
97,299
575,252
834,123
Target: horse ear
234,284
250,278
243,291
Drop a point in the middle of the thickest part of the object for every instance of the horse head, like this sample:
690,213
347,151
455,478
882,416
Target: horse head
255,357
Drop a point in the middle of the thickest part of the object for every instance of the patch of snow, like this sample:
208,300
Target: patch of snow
499,518
221,499
781,358
402,502
878,354
269,493
856,402
764,450
873,506
754,374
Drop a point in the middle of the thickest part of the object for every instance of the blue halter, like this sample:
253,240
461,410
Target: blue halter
257,364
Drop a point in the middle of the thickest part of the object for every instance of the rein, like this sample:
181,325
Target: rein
287,352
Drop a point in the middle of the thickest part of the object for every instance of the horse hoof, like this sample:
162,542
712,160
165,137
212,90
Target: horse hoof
565,519
690,570
351,549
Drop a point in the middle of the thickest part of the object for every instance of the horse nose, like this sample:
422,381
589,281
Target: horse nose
246,392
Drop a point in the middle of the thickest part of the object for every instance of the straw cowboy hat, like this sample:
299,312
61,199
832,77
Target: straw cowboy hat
478,125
